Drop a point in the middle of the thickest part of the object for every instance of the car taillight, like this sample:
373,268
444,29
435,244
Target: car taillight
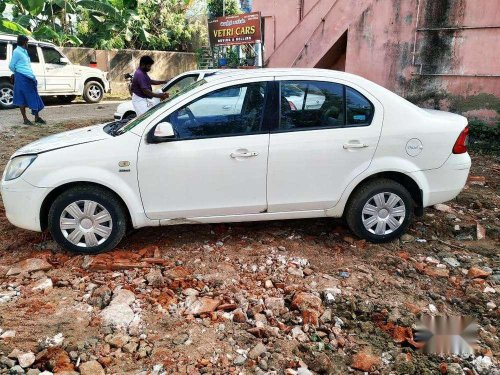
292,106
460,146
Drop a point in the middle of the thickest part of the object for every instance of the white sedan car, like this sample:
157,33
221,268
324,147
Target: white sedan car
365,154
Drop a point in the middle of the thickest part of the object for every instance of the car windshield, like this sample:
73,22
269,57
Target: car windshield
127,126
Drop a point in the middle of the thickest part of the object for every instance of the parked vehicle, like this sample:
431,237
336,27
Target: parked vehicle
126,111
366,155
56,75
294,95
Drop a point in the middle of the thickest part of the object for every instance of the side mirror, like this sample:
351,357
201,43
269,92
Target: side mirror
64,60
163,132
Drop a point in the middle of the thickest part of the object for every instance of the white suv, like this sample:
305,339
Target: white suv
55,74
362,152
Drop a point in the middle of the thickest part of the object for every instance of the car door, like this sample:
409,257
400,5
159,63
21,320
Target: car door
59,75
215,166
319,145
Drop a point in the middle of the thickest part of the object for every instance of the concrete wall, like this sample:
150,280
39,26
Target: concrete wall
437,53
119,62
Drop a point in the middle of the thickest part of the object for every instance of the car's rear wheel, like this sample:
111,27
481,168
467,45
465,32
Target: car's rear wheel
87,220
380,210
6,95
93,92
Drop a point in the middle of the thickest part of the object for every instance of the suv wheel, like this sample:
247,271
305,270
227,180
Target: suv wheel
380,211
87,220
6,95
93,92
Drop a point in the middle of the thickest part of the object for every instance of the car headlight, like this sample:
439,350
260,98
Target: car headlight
18,165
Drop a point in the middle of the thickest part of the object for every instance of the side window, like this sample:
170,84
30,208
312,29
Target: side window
3,51
32,52
181,84
51,56
218,114
311,105
360,110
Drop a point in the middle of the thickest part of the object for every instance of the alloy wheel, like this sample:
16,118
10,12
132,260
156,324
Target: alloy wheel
6,96
383,213
86,223
94,92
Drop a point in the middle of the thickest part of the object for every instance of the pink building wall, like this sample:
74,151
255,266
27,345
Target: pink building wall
435,52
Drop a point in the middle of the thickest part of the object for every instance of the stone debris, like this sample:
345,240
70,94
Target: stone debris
28,266
119,313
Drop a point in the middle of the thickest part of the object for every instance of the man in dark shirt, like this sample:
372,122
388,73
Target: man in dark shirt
143,96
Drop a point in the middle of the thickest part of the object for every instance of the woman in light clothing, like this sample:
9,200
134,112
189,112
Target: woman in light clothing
143,97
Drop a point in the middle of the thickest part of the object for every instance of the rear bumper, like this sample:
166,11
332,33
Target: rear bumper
445,183
22,203
118,116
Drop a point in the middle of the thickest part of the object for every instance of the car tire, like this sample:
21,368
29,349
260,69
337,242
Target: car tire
129,116
380,210
6,95
87,220
93,92
66,99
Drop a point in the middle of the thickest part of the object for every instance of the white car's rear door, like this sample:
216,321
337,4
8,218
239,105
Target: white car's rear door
315,152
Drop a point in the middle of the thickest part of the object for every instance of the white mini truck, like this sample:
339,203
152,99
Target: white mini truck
56,75
356,151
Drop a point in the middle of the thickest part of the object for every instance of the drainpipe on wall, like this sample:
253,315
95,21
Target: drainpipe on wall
300,9
416,32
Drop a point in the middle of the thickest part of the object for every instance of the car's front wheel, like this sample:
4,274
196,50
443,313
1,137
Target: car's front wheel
6,95
87,219
93,92
380,210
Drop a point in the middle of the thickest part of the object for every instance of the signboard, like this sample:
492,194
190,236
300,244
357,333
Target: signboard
233,30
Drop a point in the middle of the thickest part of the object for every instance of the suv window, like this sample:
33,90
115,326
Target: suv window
359,109
215,115
51,56
32,52
311,105
3,50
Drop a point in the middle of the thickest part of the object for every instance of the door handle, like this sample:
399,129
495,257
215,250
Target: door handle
227,107
247,154
354,145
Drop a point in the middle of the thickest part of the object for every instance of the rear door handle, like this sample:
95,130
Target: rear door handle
354,145
243,154
227,107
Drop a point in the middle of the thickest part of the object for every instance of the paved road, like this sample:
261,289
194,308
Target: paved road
56,113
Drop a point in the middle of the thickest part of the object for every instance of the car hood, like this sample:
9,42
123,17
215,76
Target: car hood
66,139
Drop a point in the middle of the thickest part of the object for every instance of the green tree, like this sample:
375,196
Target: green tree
218,8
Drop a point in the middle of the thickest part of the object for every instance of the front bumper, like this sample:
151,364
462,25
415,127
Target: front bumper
22,203
107,86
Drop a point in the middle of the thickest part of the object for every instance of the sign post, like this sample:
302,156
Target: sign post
242,29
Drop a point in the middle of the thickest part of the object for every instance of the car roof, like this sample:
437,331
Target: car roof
13,38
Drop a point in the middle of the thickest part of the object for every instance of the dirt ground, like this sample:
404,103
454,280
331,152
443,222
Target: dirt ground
283,297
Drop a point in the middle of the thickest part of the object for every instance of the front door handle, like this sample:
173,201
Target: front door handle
354,145
243,154
227,107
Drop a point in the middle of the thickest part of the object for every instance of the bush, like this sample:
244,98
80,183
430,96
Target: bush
483,137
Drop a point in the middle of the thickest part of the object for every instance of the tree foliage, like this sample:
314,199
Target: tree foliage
106,24
218,8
